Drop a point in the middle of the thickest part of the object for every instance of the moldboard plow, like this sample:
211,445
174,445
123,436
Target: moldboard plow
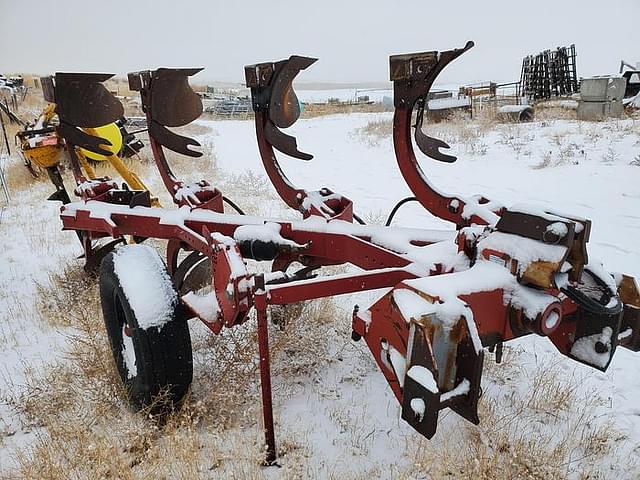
504,272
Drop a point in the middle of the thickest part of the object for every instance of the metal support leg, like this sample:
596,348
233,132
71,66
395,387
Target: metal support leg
3,180
265,370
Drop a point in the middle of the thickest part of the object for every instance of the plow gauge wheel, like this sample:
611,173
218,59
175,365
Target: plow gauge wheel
153,362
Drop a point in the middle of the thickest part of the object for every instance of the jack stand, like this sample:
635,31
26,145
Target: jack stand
265,370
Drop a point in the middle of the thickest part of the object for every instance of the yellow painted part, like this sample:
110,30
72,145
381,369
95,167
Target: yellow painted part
127,175
130,177
87,167
44,156
47,155
109,132
48,112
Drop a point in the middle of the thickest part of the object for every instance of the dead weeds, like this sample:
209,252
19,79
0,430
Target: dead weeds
542,430
86,429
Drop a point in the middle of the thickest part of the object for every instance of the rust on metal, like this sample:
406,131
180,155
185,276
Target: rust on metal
168,101
272,92
537,227
173,102
82,101
428,145
284,143
284,107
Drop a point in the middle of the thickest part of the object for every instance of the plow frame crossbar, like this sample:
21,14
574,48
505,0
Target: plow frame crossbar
383,268
347,243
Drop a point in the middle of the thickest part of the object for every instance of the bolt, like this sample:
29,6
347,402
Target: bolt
601,347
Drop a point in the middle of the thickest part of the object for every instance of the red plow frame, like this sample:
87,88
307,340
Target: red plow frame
502,273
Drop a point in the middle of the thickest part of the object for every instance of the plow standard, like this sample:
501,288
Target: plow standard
502,273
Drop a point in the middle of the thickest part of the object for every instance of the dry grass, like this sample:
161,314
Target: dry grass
312,110
563,151
516,136
73,291
19,178
540,432
455,130
376,131
193,130
376,217
554,113
87,431
610,156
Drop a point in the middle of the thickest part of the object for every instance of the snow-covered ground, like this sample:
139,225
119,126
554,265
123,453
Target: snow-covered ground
589,175
342,415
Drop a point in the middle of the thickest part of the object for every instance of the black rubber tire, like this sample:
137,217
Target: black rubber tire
526,115
163,357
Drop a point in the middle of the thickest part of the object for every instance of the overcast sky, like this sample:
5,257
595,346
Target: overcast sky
352,39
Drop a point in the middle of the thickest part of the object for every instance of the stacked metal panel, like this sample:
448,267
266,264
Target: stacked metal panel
548,74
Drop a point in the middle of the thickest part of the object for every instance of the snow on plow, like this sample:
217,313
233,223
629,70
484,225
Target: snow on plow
504,272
